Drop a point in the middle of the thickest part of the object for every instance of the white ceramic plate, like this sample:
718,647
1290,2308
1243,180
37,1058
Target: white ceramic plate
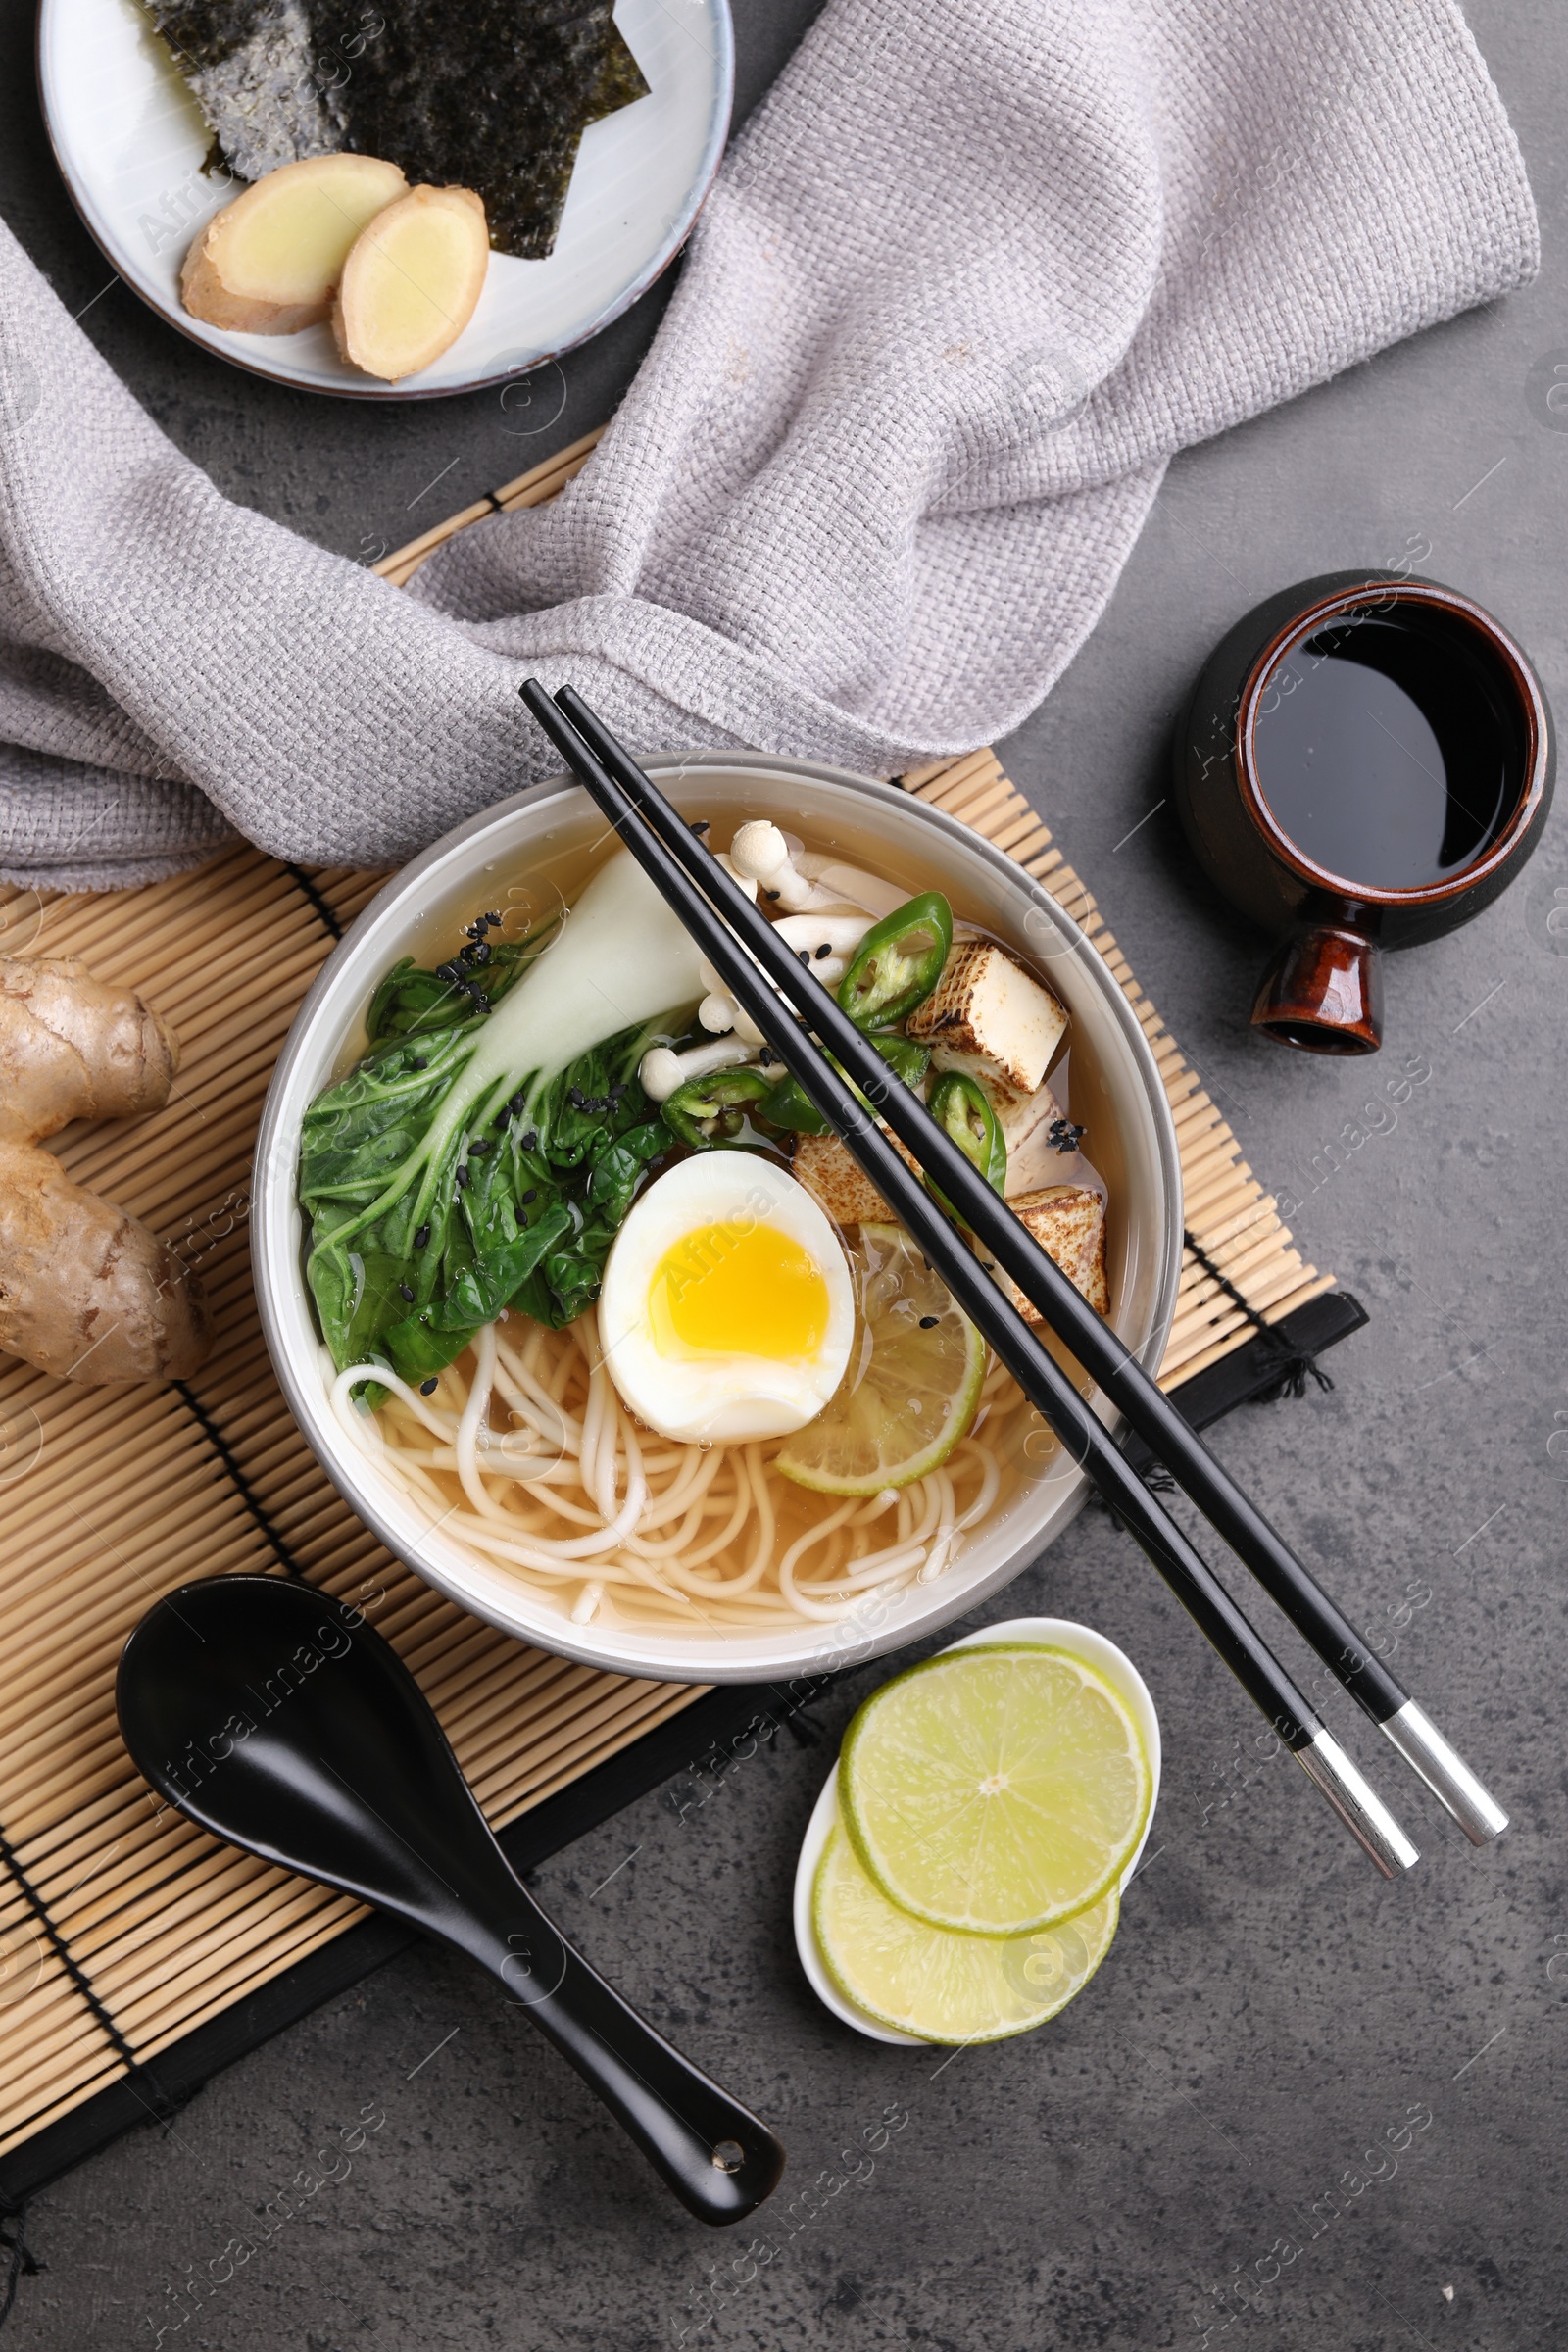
130,142
1055,1633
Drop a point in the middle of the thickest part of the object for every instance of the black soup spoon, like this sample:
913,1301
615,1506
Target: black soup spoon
276,1718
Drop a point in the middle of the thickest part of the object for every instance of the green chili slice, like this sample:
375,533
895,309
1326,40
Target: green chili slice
961,1109
906,1057
790,1107
710,1113
899,962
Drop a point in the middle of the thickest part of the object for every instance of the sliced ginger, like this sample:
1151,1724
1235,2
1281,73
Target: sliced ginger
268,264
410,286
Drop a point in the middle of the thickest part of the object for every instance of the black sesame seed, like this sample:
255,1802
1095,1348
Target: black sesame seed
407,1288
428,1387
928,1322
421,1238
529,1140
771,894
804,954
523,1223
477,1143
461,1177
447,971
768,1057
700,825
481,952
528,1196
575,1098
416,1064
826,949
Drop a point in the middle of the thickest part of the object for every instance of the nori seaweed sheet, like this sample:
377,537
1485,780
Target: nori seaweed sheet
205,33
252,65
492,95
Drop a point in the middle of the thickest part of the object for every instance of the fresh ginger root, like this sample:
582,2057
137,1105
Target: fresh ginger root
268,264
74,1047
86,1292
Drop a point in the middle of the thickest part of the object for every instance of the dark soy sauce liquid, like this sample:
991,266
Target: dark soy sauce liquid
1391,747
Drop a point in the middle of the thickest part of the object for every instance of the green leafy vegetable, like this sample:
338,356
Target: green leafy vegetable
487,1159
409,1001
521,1212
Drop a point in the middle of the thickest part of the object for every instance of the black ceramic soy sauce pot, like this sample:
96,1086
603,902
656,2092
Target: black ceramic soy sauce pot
1309,823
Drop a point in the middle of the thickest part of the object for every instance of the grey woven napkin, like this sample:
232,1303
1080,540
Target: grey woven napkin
969,277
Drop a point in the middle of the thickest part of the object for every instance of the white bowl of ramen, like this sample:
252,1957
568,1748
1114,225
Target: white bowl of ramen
1008,1491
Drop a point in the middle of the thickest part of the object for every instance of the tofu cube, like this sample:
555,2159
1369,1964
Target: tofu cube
836,1180
1026,1121
990,1018
1069,1223
1068,1220
1018,1115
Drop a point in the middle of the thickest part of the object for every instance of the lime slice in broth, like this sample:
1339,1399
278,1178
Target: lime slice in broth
912,1385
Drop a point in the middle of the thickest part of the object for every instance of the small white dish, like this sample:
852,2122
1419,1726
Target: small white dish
130,142
1055,1633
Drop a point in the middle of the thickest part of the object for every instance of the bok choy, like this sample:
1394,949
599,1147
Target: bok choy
486,1149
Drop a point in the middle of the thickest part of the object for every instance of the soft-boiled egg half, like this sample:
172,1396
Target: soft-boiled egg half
728,1310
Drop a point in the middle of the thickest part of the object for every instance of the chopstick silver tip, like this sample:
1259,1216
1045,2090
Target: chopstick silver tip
1357,1805
1417,1739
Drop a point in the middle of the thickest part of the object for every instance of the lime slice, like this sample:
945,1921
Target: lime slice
912,1384
995,1790
937,1985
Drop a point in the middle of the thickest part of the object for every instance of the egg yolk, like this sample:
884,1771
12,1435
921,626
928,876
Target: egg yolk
738,1288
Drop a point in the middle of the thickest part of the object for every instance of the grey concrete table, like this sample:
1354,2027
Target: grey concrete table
1296,2105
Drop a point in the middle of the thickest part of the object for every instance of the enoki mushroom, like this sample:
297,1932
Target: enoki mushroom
526,1454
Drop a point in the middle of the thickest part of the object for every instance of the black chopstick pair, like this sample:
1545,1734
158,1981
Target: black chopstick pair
1343,1649
759,969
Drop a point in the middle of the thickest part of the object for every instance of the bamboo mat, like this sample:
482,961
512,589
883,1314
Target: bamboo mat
123,1928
